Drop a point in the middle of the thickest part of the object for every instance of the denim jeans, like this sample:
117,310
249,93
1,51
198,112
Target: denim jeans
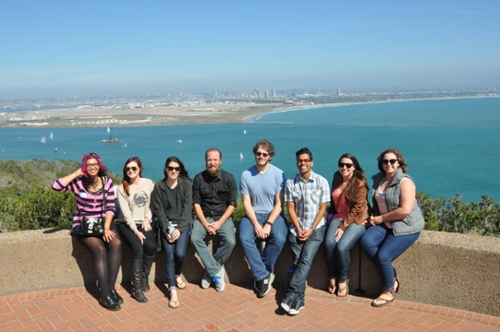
337,253
175,256
262,265
213,263
303,256
381,246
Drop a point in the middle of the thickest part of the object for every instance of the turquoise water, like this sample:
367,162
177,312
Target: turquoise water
451,145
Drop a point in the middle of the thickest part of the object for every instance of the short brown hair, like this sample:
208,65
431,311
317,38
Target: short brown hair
399,156
266,145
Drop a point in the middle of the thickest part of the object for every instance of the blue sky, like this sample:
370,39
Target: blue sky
85,48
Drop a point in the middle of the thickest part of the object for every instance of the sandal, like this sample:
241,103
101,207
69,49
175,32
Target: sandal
396,282
332,286
174,304
180,282
382,302
343,290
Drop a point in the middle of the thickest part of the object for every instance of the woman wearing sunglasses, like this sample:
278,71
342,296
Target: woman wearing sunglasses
172,207
348,213
95,199
134,197
396,223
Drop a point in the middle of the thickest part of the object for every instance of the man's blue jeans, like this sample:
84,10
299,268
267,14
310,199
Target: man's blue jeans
175,256
303,255
262,265
337,253
381,246
213,263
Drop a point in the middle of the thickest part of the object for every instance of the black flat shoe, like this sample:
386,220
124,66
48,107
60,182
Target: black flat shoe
108,303
116,297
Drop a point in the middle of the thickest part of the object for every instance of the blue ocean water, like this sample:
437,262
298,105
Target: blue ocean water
451,145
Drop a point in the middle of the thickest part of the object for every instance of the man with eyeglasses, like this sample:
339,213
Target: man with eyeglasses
262,188
306,197
214,201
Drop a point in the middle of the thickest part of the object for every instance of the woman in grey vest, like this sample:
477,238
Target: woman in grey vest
396,223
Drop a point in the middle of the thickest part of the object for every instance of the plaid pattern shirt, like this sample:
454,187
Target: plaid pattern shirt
307,196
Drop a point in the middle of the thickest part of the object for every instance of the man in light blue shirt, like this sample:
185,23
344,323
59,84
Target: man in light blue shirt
306,197
262,188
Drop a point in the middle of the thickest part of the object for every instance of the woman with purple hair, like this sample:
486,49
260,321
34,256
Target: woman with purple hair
95,198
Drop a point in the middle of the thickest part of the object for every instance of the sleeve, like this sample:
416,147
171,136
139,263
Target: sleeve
358,207
281,183
243,184
110,197
123,200
187,206
148,213
159,207
288,190
58,185
233,191
196,189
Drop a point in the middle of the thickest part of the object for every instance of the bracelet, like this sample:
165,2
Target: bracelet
269,223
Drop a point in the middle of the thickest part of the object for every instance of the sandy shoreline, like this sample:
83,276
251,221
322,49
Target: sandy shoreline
102,117
163,116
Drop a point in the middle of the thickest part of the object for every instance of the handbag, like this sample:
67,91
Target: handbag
94,226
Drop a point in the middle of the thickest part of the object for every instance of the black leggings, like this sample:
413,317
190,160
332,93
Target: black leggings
138,250
107,258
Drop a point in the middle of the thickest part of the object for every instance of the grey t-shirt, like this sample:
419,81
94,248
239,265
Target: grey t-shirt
262,188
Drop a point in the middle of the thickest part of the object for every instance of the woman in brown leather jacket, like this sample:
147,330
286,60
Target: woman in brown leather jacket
346,217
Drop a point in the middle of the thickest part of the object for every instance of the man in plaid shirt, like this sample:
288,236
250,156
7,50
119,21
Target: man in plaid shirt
306,196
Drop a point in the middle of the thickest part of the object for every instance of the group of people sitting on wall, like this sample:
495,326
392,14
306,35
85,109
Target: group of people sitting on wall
385,229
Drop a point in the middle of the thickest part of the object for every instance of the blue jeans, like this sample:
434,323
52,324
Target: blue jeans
213,263
303,256
337,253
175,256
262,265
381,246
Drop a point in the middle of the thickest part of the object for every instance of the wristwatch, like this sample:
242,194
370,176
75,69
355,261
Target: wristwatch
269,223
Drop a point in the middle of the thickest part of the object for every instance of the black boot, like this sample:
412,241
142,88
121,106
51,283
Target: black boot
108,303
147,262
137,282
116,297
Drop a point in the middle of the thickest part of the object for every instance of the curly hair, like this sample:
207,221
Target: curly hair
399,156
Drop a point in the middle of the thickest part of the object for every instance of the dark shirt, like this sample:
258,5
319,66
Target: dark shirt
214,194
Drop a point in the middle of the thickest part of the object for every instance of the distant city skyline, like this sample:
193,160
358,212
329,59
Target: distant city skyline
55,49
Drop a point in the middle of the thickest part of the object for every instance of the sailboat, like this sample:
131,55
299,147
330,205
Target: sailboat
110,139
51,136
244,132
43,139
241,155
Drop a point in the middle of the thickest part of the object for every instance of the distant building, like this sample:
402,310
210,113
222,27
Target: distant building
338,92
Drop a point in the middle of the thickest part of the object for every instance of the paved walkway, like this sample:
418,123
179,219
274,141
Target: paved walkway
235,309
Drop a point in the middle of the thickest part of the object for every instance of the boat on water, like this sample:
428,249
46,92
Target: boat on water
51,136
241,155
110,139
43,140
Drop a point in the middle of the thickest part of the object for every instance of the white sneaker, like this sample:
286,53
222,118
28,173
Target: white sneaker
206,280
219,281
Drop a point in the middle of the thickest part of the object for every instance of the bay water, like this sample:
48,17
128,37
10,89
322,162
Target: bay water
451,145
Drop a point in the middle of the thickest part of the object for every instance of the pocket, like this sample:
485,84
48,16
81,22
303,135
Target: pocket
297,195
316,196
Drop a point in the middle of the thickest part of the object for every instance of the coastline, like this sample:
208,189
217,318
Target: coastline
216,113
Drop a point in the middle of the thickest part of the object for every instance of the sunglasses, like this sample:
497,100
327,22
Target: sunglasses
133,168
263,154
387,161
91,165
171,169
348,165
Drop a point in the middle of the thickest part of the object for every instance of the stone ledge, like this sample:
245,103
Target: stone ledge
447,269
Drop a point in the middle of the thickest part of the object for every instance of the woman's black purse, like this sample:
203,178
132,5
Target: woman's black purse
94,226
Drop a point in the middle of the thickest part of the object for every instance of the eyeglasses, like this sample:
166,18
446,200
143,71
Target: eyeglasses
133,168
263,154
300,161
171,169
348,165
92,165
387,161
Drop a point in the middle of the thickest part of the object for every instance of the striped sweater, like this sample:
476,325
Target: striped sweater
88,204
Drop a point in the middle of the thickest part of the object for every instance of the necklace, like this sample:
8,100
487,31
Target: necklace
94,184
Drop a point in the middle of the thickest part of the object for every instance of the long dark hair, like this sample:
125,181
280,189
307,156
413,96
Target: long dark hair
183,173
86,180
352,187
126,178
